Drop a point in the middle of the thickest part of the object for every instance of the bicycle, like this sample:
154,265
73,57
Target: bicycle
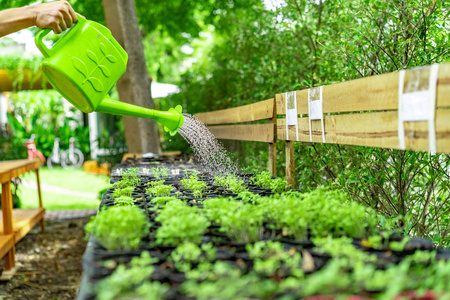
71,158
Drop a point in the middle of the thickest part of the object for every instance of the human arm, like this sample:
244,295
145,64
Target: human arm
58,15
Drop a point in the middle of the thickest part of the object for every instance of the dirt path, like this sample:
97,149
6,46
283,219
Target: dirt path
49,264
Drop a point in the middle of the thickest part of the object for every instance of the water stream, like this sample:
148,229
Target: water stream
211,154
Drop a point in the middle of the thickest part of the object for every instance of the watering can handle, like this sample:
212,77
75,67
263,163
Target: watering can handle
42,33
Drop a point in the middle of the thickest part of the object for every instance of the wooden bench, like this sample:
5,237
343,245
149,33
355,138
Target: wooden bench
16,223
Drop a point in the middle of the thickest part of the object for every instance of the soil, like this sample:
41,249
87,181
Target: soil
48,264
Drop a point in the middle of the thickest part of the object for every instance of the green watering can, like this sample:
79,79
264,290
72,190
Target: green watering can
83,66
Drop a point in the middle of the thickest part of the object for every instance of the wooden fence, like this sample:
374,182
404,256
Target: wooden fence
408,110
222,124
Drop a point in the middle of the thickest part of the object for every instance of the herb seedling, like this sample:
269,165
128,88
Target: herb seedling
132,282
124,201
159,190
180,223
118,227
118,192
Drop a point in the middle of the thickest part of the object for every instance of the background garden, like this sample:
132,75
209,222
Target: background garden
228,53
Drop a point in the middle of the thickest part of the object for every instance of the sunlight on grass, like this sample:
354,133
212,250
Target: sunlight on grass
74,180
71,180
52,201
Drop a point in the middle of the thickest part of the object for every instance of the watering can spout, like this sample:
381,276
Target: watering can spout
171,119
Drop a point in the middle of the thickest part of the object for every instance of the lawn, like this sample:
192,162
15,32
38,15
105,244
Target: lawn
63,182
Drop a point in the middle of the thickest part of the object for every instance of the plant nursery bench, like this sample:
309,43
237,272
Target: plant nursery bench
16,223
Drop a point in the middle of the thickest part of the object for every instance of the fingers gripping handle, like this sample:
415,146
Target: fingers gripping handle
42,33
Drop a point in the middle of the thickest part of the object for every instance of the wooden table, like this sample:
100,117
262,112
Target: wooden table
16,223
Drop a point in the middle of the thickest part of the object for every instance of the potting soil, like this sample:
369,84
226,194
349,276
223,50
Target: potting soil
99,263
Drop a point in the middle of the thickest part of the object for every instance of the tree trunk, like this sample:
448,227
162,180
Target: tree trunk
134,86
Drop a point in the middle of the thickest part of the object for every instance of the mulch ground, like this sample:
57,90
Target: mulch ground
48,264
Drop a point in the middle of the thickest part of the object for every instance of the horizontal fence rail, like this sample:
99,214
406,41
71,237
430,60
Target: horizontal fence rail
259,111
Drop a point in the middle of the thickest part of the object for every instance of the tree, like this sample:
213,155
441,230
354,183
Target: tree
134,86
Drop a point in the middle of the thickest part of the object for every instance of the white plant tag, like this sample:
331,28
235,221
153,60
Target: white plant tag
291,113
416,106
315,110
291,116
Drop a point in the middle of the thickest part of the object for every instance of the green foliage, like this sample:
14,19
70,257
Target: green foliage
126,191
163,200
41,114
323,212
132,281
264,180
197,187
124,201
231,182
186,254
241,221
17,64
159,190
180,223
271,259
118,227
208,281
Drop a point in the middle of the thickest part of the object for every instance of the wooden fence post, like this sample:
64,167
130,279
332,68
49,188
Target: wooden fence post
273,146
290,163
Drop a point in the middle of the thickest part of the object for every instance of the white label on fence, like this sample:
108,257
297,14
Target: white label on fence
315,110
416,106
291,116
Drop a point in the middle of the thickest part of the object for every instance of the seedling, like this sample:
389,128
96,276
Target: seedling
118,192
188,253
164,172
132,282
242,221
271,259
155,172
180,223
196,186
118,227
124,201
159,190
129,178
264,180
163,200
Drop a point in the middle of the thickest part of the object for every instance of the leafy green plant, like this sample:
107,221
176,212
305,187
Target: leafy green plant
188,253
118,227
163,200
209,280
124,201
159,190
324,212
192,183
180,223
164,172
126,191
264,180
155,172
241,221
132,281
271,259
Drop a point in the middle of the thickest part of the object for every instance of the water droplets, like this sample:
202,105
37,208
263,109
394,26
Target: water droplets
207,150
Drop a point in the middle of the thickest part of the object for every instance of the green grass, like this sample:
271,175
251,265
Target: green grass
72,180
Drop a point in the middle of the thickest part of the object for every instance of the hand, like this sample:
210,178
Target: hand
57,15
